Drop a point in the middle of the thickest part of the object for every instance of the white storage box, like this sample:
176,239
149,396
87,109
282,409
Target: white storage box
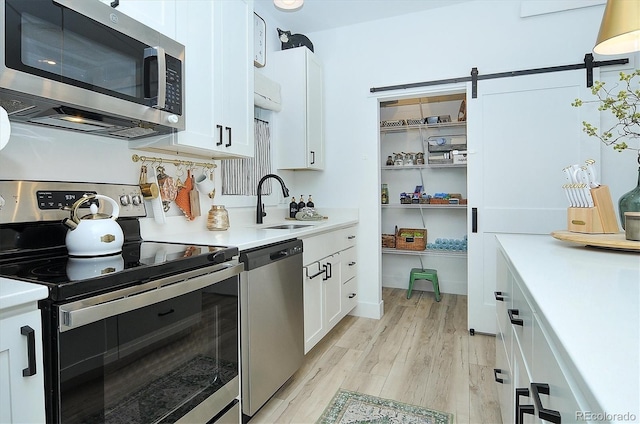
459,157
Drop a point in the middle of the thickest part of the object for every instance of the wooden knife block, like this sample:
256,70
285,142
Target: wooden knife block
601,219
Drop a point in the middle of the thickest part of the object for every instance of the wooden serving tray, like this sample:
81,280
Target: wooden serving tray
611,241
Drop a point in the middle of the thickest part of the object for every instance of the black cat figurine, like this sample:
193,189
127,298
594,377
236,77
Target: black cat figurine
290,41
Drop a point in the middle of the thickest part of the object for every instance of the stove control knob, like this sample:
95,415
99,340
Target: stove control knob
125,200
136,200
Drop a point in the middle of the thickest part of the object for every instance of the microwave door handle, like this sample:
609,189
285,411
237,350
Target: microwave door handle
159,53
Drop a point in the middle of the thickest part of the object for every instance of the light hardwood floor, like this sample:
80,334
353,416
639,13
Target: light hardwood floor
419,352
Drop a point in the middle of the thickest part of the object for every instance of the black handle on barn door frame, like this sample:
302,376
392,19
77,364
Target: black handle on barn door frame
474,220
499,296
497,371
229,131
31,350
543,413
219,127
515,321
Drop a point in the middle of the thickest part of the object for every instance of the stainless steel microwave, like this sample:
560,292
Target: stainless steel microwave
82,65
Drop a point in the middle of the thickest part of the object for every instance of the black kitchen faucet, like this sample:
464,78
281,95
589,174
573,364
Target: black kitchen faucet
260,213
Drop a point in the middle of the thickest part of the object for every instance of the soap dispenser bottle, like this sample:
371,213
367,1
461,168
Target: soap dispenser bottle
301,203
293,208
310,203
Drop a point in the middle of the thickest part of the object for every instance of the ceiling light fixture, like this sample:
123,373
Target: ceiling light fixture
288,4
620,28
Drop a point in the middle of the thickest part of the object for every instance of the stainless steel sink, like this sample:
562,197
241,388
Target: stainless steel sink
287,227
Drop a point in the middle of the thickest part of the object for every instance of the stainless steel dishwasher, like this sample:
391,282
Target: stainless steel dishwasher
271,321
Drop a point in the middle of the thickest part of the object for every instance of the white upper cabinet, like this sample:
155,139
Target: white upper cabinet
299,134
157,14
218,40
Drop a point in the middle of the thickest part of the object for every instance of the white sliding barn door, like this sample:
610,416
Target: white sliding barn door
522,131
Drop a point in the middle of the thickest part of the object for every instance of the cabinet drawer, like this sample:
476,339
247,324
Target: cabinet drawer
504,380
504,301
326,244
546,369
348,263
521,318
349,295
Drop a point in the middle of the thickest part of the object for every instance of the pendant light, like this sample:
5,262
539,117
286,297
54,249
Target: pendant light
620,28
288,4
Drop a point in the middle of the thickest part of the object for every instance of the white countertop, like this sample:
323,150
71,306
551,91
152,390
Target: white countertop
589,299
243,233
15,293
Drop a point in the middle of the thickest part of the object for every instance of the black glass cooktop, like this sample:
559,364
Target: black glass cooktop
74,277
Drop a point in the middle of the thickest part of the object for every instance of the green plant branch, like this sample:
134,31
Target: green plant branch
624,105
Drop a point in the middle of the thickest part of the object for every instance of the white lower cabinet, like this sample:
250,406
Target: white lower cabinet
21,365
535,385
330,282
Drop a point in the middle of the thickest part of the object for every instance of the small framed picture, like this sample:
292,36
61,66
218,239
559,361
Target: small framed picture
259,41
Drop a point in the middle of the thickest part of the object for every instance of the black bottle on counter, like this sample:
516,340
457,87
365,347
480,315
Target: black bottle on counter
293,208
310,203
301,203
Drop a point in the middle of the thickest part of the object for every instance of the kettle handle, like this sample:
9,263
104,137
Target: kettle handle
114,206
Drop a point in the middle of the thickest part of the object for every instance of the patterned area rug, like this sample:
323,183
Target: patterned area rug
356,408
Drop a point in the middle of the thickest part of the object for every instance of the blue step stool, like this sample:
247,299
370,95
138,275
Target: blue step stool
424,274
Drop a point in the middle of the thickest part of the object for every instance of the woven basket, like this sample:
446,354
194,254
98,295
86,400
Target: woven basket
389,241
411,239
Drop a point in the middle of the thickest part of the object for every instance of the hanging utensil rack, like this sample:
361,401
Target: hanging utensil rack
210,166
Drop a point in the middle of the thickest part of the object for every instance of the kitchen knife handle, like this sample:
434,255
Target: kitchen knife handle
219,127
474,220
499,296
31,350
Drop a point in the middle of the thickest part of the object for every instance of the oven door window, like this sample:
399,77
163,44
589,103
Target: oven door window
60,44
152,364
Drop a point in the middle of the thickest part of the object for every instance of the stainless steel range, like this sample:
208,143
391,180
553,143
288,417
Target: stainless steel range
145,335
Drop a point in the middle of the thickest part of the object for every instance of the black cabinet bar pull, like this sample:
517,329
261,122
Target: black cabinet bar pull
499,296
497,371
522,409
31,350
229,131
170,311
543,413
313,157
352,295
219,127
515,321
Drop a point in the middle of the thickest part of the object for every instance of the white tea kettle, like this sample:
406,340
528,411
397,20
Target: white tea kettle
95,234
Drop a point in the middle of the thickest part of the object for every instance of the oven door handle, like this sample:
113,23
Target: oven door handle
86,311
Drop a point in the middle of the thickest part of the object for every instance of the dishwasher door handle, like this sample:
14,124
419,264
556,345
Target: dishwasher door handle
279,254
